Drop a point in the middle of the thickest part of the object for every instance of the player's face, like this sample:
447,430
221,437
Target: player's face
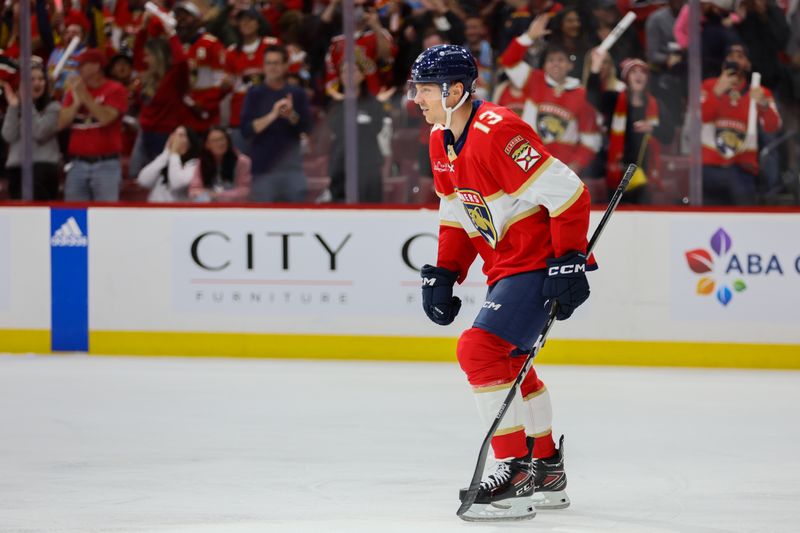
429,100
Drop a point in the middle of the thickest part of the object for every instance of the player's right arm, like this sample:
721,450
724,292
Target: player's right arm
456,251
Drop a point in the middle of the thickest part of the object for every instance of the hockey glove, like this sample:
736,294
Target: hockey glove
438,301
566,282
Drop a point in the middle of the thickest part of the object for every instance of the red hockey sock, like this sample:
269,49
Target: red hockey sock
544,446
510,445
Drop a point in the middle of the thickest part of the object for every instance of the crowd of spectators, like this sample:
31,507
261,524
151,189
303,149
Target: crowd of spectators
242,100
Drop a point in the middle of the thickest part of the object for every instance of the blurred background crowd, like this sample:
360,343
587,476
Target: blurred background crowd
242,100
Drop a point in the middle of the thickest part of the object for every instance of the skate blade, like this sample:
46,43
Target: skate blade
501,511
551,500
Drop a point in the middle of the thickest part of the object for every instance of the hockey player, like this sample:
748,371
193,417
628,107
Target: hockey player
503,196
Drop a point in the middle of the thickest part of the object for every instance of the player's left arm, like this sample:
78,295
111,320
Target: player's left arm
554,186
525,170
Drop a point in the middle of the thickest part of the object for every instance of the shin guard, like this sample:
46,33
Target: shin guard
485,360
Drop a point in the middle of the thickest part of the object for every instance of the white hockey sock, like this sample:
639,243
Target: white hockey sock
489,399
537,413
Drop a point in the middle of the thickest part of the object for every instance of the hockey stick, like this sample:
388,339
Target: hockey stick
474,485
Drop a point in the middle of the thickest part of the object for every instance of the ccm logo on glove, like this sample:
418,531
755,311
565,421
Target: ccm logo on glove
566,283
566,269
438,301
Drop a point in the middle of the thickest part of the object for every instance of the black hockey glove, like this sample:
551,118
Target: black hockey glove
438,301
566,282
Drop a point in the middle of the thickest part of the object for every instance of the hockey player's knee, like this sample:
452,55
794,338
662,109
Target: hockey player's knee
531,384
483,357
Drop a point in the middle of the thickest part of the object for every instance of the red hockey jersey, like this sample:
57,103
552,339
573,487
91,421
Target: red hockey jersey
206,56
724,131
247,68
504,196
561,114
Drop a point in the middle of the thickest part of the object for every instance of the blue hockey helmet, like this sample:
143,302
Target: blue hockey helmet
445,64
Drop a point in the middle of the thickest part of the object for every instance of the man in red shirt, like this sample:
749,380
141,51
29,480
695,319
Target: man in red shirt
506,198
730,134
93,108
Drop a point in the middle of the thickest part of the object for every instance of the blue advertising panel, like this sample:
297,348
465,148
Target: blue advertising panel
69,247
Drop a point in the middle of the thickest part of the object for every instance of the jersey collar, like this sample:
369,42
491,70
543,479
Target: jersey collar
453,149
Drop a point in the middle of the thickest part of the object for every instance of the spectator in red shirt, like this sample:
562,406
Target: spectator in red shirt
93,108
730,134
206,56
374,48
164,82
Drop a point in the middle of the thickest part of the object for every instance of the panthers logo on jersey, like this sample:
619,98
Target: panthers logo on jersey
729,141
550,127
479,214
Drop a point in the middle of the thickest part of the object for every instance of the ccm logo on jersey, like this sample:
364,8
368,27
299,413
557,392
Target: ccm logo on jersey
428,281
565,269
492,306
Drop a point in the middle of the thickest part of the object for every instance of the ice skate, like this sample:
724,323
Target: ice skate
550,480
505,494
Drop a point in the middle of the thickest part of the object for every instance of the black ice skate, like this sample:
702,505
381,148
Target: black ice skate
550,480
505,494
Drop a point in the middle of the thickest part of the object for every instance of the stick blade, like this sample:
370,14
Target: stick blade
469,499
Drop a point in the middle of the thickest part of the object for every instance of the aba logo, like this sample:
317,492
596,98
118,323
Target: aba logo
725,264
703,263
480,215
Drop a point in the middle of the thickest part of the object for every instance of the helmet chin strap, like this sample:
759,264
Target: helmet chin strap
450,110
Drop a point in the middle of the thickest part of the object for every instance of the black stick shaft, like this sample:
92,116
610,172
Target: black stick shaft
472,492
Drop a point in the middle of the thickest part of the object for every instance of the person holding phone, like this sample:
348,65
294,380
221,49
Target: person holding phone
730,149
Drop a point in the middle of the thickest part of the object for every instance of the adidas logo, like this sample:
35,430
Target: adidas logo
69,234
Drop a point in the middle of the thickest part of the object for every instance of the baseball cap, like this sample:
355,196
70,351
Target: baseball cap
189,7
91,55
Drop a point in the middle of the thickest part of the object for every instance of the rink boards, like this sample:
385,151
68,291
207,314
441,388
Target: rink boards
683,288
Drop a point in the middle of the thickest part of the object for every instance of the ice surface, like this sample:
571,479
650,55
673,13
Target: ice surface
92,444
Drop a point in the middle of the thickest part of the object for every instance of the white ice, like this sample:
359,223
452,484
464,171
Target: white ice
170,445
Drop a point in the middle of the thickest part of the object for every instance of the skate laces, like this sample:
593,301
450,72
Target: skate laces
498,477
